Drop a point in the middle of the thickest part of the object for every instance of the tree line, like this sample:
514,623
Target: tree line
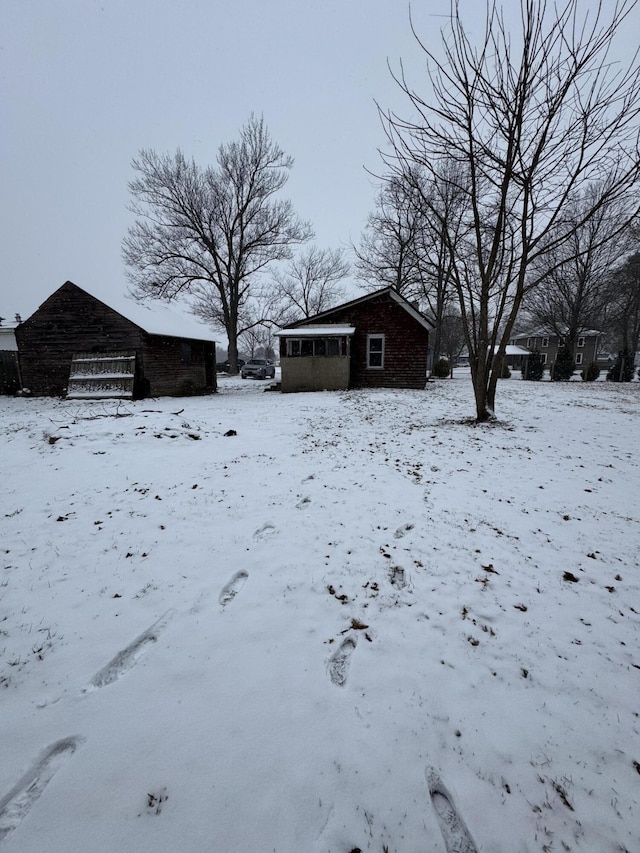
510,191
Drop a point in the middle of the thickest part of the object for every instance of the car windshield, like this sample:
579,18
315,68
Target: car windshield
257,361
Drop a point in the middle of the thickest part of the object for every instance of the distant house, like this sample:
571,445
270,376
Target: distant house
9,370
74,344
547,343
377,341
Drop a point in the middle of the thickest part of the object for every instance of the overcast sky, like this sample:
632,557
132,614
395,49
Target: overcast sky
85,84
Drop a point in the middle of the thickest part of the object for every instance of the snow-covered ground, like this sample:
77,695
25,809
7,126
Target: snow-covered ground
359,623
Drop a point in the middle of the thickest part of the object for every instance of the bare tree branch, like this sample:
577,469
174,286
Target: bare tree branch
209,232
531,118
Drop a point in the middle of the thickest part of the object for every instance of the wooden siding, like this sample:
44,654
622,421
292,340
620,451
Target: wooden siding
9,373
70,321
405,348
73,321
177,366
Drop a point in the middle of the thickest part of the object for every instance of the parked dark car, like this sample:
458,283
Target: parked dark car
223,366
258,368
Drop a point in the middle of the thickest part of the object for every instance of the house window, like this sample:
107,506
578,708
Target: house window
544,358
319,347
580,344
578,357
545,342
529,340
375,351
185,352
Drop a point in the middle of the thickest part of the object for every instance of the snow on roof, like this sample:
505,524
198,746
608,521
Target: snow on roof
512,349
316,331
8,339
549,333
158,317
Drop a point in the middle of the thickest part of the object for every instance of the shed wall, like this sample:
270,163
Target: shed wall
71,320
406,344
177,366
314,373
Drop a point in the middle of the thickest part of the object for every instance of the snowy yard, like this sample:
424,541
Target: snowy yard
360,623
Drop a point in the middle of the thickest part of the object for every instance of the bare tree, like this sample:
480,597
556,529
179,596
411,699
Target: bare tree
624,307
310,284
209,232
404,246
574,276
531,119
451,338
387,253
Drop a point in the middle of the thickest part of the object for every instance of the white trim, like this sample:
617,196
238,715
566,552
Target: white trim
375,337
315,331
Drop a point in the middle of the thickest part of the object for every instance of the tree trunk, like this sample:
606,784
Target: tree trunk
484,389
232,334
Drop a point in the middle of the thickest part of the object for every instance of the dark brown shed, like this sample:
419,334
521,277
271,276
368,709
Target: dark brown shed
75,343
377,341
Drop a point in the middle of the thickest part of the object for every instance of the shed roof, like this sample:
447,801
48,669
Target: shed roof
154,317
384,291
329,330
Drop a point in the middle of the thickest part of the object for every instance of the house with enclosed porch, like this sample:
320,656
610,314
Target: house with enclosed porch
377,341
76,345
547,343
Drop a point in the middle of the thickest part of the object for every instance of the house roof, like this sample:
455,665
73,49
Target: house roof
390,291
154,317
512,349
8,339
312,331
550,333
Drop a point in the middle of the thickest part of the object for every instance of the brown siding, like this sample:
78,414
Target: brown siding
177,366
72,321
406,344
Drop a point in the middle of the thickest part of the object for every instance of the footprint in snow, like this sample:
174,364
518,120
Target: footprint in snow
403,530
16,804
457,838
304,503
232,587
340,660
398,577
265,531
127,657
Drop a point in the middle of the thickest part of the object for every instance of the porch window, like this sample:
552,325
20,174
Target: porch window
319,347
375,351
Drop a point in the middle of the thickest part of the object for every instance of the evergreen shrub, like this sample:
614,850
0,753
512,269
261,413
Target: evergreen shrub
441,368
622,369
533,369
562,368
590,372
